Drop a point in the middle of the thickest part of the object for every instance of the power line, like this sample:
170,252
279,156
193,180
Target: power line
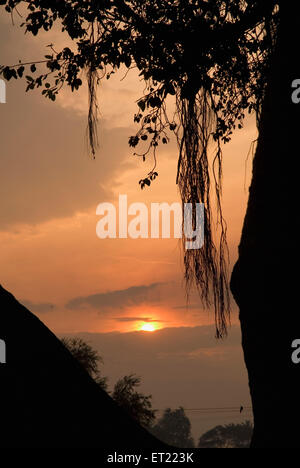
224,409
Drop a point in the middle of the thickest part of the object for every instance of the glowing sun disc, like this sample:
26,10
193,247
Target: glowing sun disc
148,327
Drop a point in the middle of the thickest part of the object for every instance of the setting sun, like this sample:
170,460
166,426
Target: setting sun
148,327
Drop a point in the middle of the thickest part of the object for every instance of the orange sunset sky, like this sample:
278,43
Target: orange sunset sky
51,258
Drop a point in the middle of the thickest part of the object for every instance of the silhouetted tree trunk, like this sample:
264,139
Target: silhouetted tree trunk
263,283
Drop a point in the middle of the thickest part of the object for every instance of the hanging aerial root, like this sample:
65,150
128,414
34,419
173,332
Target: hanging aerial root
205,267
92,80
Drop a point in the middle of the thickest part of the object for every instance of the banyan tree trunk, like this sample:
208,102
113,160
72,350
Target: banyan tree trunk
264,279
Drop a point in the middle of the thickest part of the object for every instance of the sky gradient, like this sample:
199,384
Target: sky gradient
105,290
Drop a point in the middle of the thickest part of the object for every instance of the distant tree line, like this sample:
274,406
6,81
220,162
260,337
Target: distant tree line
125,391
174,427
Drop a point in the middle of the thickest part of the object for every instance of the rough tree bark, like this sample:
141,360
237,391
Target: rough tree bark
263,282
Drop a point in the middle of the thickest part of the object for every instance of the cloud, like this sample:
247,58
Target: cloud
136,319
170,343
45,172
121,298
41,307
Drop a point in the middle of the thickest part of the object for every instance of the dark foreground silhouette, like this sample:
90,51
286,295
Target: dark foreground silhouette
47,399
